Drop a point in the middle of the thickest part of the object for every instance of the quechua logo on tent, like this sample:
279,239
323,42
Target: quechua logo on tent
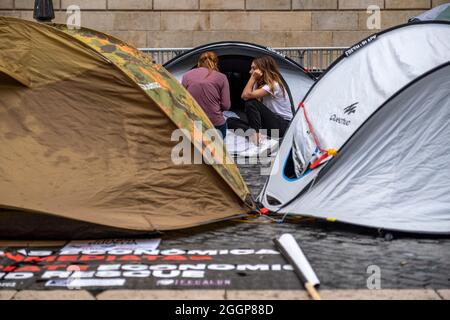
351,108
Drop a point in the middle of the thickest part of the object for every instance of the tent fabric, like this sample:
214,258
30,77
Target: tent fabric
85,135
344,98
357,86
441,12
173,100
241,55
42,226
445,13
394,172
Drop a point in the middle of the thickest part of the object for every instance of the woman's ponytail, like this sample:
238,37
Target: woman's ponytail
210,61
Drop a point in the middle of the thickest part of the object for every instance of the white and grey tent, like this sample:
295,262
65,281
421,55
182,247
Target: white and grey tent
384,106
441,12
235,59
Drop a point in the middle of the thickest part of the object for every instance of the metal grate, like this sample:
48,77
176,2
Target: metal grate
314,59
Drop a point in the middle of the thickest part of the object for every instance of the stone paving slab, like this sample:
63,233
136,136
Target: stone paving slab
53,295
7,294
30,244
266,295
162,295
417,294
445,294
387,294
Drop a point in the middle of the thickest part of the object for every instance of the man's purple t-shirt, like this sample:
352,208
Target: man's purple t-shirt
211,92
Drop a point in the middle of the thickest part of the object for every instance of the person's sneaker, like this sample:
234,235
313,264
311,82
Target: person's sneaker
265,147
251,151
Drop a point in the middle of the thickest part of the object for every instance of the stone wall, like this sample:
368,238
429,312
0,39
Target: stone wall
187,23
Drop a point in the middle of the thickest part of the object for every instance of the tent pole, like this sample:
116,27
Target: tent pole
292,252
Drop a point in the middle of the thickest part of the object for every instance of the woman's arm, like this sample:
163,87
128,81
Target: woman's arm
184,82
249,93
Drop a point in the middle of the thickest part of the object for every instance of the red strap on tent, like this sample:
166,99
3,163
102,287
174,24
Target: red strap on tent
328,153
302,106
325,153
318,161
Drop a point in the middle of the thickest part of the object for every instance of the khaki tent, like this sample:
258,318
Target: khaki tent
86,123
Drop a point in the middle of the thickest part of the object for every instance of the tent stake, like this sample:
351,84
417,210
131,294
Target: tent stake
292,252
314,294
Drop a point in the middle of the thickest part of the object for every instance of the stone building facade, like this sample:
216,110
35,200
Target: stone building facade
187,23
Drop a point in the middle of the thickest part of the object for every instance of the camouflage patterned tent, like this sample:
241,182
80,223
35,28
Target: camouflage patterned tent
85,139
